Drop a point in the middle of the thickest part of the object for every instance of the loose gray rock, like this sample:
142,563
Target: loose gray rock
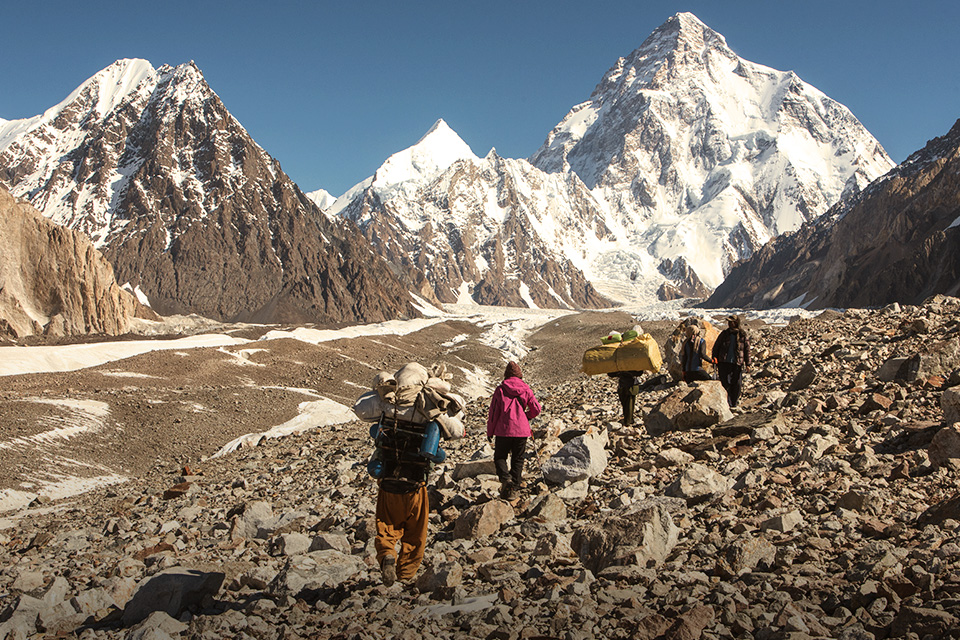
157,625
699,483
640,534
446,575
474,468
744,555
950,403
483,520
702,406
548,507
582,458
315,570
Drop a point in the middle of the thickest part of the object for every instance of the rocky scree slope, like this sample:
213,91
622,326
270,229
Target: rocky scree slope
151,165
54,282
827,508
897,241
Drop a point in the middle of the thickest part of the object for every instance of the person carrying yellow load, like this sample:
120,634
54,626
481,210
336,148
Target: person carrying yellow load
624,357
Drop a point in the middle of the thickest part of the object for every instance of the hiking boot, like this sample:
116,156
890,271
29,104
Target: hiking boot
508,493
388,570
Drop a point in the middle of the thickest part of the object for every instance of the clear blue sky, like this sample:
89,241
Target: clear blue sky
331,89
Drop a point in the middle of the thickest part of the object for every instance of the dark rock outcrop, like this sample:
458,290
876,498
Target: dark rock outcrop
683,283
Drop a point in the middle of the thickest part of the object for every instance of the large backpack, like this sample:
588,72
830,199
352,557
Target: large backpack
404,453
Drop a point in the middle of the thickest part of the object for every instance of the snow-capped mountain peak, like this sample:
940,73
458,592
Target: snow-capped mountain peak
100,94
113,84
155,170
406,171
322,198
704,155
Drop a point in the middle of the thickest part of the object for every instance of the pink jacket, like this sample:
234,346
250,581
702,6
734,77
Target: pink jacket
512,407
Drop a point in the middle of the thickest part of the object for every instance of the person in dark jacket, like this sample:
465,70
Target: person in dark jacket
693,353
512,407
731,352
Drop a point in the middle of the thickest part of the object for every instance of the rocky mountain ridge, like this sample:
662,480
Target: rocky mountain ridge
825,507
486,230
54,282
910,253
186,206
685,151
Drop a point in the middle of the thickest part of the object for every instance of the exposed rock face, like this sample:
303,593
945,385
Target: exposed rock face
151,165
53,281
683,282
898,241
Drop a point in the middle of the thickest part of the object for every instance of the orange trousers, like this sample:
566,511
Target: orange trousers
403,518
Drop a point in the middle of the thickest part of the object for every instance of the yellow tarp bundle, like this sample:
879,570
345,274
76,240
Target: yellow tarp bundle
639,354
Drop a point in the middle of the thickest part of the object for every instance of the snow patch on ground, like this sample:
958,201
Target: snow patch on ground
391,327
14,500
80,416
20,360
313,415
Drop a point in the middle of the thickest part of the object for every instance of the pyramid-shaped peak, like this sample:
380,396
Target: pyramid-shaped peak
439,148
441,135
687,20
440,126
686,28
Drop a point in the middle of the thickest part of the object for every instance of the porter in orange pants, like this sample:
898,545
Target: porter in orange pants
403,518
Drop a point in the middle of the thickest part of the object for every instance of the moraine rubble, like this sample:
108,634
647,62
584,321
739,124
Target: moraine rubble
826,507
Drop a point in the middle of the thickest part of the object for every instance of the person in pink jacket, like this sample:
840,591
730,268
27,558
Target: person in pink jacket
512,407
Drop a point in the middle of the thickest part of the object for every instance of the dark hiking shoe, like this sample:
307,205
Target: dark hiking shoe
388,569
508,493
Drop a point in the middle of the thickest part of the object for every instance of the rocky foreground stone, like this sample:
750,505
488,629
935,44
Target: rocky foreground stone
826,506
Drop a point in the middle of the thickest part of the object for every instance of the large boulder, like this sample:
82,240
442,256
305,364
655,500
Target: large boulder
950,403
581,458
474,468
172,591
250,518
938,358
945,445
699,483
699,407
315,570
483,520
642,534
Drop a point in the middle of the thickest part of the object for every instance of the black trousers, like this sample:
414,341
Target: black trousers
731,377
515,449
693,376
628,401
